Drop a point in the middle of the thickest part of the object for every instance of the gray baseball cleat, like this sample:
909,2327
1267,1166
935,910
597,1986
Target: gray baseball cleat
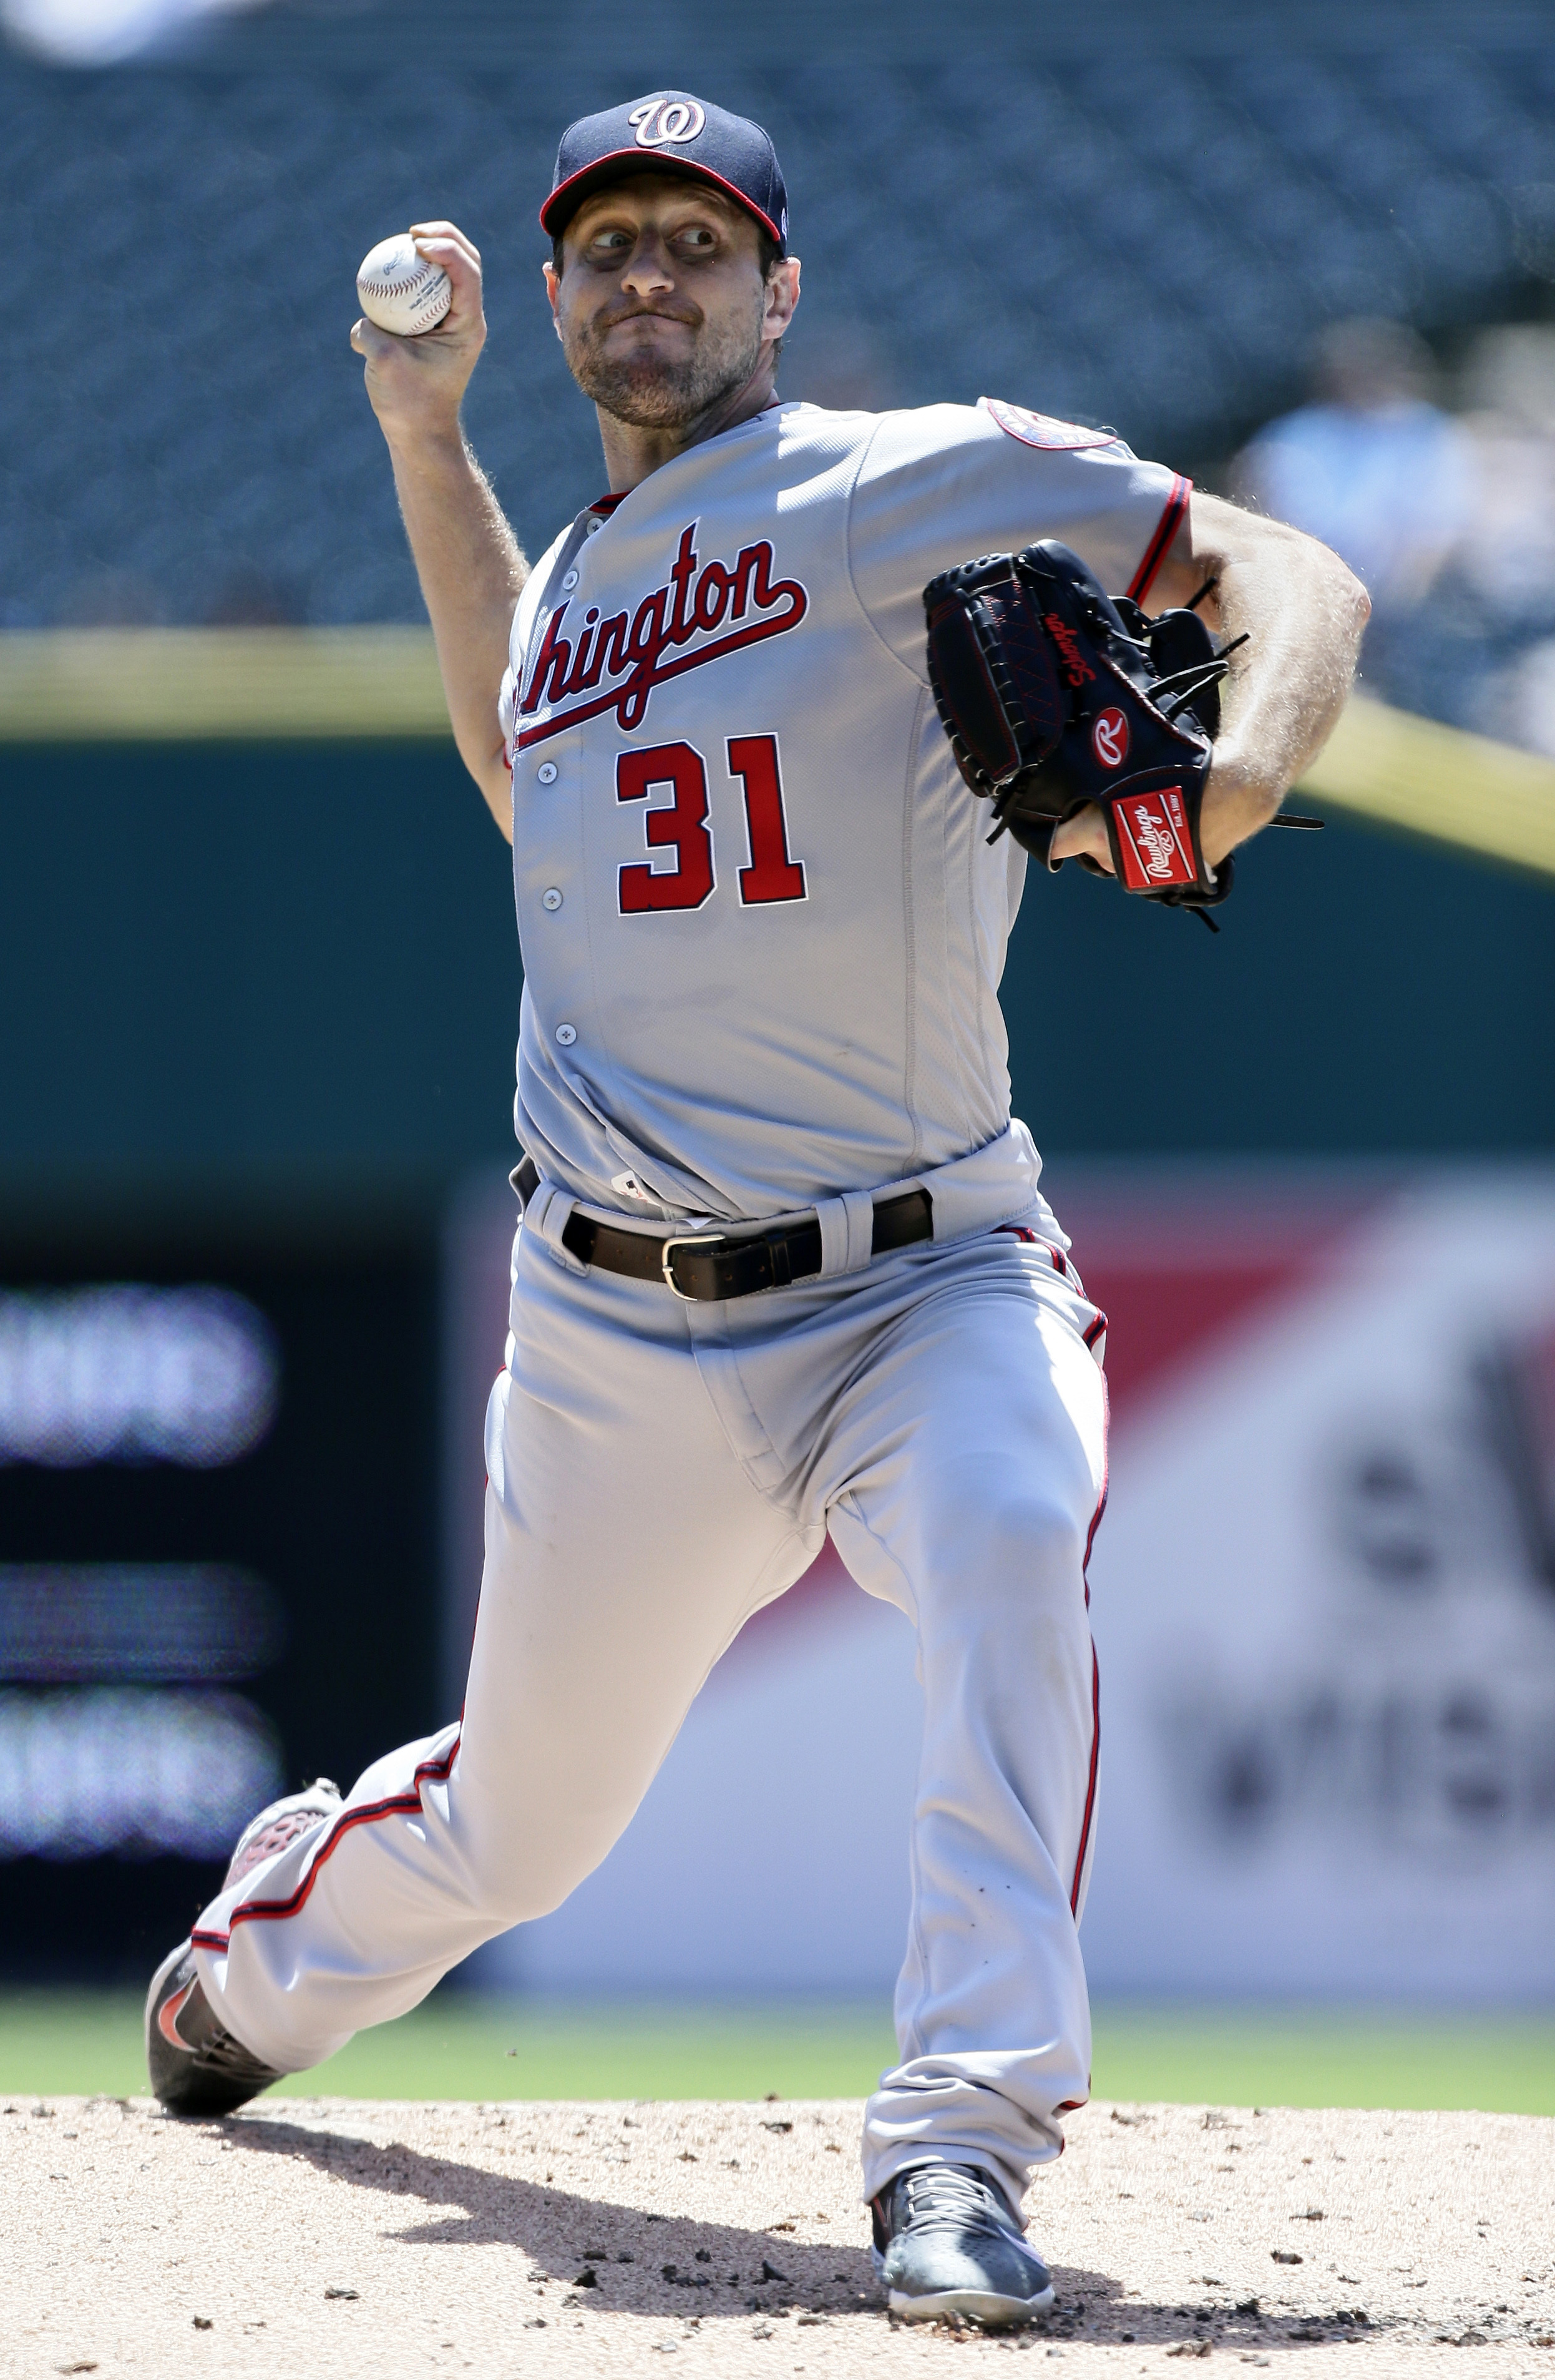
947,2245
197,2067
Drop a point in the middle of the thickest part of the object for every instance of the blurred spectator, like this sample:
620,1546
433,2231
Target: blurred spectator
1507,552
1450,521
1506,558
1371,466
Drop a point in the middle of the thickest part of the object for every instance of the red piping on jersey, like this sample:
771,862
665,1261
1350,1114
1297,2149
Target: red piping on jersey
606,504
669,164
1095,1693
1165,531
397,1805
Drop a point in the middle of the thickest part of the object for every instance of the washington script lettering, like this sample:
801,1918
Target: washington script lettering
695,601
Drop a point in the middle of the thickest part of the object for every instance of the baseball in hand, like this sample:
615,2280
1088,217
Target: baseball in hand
400,290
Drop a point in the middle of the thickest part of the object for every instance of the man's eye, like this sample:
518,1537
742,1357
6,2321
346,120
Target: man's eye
697,237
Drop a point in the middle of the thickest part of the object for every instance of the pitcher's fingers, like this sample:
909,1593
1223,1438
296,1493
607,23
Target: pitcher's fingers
441,230
1085,832
446,245
465,305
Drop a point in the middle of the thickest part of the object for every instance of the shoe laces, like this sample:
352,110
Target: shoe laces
955,2198
280,1832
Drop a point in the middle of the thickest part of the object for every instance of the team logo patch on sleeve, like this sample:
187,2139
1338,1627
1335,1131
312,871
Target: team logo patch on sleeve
1041,429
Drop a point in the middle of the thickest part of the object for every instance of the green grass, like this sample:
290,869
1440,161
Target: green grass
462,2046
1327,2057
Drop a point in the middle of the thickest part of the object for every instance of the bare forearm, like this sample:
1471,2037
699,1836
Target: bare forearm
1303,614
471,568
472,573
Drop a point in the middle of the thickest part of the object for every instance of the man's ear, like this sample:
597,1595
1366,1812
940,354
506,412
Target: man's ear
553,292
782,296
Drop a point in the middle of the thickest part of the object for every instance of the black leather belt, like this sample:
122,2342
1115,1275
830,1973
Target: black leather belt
704,1265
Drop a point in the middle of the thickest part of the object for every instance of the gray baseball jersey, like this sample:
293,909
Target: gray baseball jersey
761,927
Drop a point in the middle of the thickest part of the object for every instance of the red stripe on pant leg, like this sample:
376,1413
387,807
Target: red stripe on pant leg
1091,1782
1095,1672
397,1805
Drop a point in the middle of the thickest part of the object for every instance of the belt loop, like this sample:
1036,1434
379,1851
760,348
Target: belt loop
859,1206
832,1214
546,1215
846,1232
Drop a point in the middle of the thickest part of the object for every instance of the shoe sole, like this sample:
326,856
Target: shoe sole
983,2306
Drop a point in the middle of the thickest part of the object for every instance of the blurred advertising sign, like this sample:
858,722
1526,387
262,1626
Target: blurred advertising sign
1323,1597
217,1553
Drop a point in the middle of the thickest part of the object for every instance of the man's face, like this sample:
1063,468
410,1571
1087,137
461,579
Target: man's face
661,308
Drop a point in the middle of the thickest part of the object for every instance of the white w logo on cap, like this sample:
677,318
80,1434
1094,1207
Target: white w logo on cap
658,120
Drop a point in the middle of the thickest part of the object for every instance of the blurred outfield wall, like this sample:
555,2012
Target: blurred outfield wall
256,1024
219,962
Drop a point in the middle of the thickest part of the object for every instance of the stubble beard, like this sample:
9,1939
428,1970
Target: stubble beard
654,392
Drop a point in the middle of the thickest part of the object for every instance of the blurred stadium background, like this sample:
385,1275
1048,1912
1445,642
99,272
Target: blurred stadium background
260,991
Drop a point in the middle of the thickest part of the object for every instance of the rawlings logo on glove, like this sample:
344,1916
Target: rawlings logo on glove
1054,695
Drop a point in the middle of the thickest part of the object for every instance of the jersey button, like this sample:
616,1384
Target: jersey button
569,582
547,773
566,1035
551,898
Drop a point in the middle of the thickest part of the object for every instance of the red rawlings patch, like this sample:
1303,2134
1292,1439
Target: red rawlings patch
1153,841
1041,429
1109,738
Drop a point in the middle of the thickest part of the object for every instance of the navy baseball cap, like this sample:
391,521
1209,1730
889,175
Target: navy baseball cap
683,135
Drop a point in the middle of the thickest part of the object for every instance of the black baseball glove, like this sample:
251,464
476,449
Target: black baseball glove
1053,695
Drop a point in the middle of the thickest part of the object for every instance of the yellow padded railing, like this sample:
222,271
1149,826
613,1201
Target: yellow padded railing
1437,781
187,684
184,685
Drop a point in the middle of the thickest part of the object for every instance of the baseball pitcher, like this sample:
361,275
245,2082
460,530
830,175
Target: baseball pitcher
785,1265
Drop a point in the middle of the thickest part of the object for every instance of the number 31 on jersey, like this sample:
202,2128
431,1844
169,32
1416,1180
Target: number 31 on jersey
681,825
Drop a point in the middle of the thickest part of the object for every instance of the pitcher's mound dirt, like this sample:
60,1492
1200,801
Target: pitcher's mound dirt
339,2237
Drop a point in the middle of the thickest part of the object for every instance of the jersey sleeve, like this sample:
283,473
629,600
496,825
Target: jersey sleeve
949,482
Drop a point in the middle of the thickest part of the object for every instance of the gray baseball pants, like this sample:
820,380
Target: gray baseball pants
658,1471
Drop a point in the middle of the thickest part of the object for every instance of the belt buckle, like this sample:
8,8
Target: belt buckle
687,1240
